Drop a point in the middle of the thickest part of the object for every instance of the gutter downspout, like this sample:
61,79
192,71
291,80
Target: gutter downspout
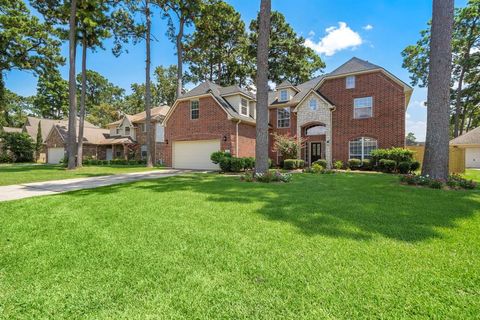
236,139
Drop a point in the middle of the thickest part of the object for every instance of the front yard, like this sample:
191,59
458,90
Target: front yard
340,246
24,173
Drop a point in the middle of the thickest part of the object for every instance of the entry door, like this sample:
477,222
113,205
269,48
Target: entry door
109,154
315,151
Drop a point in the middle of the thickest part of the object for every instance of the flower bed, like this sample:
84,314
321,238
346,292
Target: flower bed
454,182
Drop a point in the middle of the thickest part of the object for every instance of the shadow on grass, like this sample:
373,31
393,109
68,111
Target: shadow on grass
353,206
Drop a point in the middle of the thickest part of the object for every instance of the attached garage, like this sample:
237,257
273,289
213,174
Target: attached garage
472,157
195,154
55,155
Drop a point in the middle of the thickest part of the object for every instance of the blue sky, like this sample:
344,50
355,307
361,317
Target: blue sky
373,30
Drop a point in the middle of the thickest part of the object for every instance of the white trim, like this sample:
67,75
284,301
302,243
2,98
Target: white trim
280,95
289,118
241,106
310,150
238,93
198,108
363,146
350,85
368,107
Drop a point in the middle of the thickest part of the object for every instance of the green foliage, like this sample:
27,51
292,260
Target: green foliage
237,164
19,145
338,164
367,165
217,156
249,163
289,59
404,167
218,48
14,109
273,176
292,164
456,181
166,84
51,101
322,163
387,165
354,164
225,164
395,154
5,157
286,145
410,139
414,166
39,141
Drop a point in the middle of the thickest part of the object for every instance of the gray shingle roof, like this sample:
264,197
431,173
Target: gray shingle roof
31,127
302,88
218,92
354,65
471,137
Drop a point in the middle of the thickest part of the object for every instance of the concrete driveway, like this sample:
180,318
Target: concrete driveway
27,190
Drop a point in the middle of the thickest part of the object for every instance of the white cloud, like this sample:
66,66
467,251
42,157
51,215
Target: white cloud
311,33
418,103
337,38
419,128
368,27
474,50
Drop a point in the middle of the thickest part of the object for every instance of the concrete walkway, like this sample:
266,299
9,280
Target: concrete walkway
28,190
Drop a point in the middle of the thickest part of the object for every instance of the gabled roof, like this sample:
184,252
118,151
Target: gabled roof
157,113
219,93
302,90
286,84
354,65
472,137
90,135
31,127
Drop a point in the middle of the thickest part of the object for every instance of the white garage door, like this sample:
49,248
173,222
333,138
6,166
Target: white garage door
55,155
472,157
195,154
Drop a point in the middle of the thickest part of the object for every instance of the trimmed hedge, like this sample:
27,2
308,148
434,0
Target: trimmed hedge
354,164
387,165
321,162
291,164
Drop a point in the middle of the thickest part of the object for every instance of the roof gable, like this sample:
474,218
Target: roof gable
469,138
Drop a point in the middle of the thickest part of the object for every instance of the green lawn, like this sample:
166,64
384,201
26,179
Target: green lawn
340,246
473,174
23,173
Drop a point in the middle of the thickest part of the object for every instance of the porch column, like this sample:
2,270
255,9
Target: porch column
328,142
113,151
125,152
299,139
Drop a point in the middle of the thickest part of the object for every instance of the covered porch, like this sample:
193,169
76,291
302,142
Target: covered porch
118,148
314,139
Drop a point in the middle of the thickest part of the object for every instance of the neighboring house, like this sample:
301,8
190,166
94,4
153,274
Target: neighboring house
206,119
10,130
469,141
344,114
129,134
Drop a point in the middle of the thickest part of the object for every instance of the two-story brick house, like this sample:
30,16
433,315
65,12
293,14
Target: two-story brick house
341,115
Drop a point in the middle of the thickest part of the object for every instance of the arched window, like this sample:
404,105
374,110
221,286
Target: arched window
314,130
360,148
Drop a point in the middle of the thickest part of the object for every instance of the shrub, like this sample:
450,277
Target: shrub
387,165
275,176
435,184
248,177
216,157
94,162
354,164
225,163
142,161
455,181
338,164
249,163
236,164
396,154
366,165
19,145
287,146
132,162
291,164
404,167
322,163
5,157
414,166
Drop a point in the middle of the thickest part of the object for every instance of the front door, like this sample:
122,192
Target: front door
315,151
109,154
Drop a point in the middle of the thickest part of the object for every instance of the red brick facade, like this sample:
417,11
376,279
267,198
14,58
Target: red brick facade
213,123
141,138
387,124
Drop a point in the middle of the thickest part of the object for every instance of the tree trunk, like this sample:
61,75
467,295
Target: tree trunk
148,120
261,146
180,58
81,120
458,103
435,162
72,88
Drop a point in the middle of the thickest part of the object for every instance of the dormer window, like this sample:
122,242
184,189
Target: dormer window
117,130
244,107
283,95
127,131
350,82
313,104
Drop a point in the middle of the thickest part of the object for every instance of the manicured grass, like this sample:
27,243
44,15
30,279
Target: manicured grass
473,174
340,246
23,173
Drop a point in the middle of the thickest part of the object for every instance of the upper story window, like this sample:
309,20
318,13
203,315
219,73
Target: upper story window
194,110
362,107
144,127
127,131
350,82
361,148
283,118
117,130
313,104
283,95
244,107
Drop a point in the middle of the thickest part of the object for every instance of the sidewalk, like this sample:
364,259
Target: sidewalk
28,190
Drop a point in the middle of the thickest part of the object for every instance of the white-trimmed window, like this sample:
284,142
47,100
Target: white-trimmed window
194,110
159,133
283,95
350,82
313,104
244,107
315,130
143,151
117,130
283,117
363,107
127,131
144,127
361,148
